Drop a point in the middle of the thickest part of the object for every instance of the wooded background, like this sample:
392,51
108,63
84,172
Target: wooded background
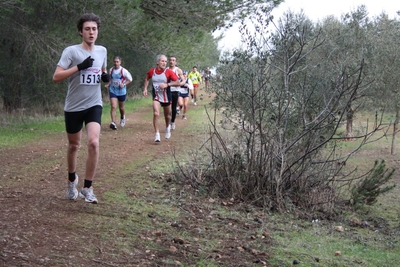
34,33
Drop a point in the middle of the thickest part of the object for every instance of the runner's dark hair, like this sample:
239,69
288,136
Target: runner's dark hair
88,17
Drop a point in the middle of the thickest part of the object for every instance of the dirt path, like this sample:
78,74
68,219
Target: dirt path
40,227
36,219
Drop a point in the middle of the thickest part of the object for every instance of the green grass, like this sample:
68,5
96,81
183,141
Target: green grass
317,241
17,129
29,129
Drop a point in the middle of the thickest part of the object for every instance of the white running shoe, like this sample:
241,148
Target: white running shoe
123,122
172,125
88,195
195,103
168,132
192,100
72,192
157,138
113,126
178,110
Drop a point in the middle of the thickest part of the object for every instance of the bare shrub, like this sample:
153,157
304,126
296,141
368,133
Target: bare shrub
274,132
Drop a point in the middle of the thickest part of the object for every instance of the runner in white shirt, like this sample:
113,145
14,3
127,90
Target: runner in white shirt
175,89
84,66
162,79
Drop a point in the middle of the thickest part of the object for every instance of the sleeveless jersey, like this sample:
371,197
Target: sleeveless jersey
185,90
119,76
207,75
173,88
161,95
195,77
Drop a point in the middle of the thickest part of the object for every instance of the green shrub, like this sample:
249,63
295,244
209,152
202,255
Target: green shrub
368,189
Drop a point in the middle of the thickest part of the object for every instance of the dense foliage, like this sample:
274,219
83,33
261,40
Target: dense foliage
34,33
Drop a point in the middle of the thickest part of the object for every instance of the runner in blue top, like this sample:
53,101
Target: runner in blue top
183,99
120,78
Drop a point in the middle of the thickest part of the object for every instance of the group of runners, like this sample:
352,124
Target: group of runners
84,66
171,89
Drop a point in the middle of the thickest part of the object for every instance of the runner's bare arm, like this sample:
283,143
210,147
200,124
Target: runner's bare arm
146,84
183,80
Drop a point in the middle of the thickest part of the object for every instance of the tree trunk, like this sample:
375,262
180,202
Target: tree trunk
395,129
349,124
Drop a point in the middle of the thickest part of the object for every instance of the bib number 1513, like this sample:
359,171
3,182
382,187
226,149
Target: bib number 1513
90,76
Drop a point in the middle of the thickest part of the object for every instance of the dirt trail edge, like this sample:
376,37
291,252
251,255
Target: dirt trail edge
40,227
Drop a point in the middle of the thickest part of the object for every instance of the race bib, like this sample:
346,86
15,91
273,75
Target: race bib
90,76
156,87
115,83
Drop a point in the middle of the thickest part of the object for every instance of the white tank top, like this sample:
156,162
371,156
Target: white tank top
173,88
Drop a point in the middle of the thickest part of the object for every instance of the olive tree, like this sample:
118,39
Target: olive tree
385,93
278,144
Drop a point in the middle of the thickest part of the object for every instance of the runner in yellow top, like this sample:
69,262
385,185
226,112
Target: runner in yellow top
195,76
